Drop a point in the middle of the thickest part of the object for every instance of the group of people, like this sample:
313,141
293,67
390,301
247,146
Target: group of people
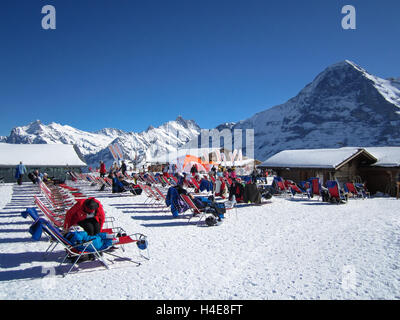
114,169
120,184
35,176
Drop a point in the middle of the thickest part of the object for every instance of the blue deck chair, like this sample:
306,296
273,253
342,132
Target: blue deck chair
279,185
77,251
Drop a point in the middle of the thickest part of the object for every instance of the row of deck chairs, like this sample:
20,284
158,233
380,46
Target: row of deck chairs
50,220
312,187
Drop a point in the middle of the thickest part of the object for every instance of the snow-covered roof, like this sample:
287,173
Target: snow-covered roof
312,158
387,156
51,155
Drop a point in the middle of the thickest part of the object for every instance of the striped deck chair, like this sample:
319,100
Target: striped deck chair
196,184
56,219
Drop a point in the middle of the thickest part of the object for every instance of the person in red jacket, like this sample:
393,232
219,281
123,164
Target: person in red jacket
103,169
87,213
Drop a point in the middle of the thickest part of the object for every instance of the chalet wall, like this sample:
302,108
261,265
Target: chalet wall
57,172
381,179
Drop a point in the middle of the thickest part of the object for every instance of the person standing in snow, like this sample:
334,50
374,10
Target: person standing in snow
20,170
123,168
103,170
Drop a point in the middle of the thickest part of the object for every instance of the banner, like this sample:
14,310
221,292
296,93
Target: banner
110,147
118,150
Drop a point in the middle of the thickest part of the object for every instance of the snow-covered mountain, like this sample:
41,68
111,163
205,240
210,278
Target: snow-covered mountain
343,106
94,145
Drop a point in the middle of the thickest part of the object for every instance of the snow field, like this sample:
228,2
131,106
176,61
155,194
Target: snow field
287,249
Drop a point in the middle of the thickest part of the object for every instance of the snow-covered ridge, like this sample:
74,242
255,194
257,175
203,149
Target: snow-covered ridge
94,145
343,106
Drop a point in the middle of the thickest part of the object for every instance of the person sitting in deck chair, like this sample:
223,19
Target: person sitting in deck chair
117,185
236,190
251,193
220,188
174,200
206,184
86,213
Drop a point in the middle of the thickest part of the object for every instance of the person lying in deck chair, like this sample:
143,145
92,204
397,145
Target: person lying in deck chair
126,186
86,213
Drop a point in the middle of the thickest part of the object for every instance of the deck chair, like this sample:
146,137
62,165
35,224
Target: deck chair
335,193
156,198
351,190
56,219
362,190
200,213
295,189
195,183
73,251
315,187
280,186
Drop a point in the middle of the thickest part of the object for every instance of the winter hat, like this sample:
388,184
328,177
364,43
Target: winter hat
90,205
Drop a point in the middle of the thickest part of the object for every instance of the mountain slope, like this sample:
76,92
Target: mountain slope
94,145
343,106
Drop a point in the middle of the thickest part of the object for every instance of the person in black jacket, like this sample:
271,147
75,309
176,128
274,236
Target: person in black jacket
251,194
123,167
236,189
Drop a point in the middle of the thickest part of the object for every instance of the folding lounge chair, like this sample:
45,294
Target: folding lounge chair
280,186
295,189
195,210
152,196
196,184
201,213
362,190
315,187
57,238
56,219
334,191
77,251
351,188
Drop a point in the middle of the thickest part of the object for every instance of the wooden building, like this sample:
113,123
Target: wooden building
378,167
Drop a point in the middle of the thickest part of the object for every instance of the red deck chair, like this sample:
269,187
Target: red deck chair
334,191
195,183
56,220
349,186
196,211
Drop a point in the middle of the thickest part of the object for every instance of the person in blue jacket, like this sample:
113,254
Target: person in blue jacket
206,184
20,170
174,200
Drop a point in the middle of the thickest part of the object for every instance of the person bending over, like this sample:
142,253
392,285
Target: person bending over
86,213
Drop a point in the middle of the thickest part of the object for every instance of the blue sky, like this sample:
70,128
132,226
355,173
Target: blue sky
131,64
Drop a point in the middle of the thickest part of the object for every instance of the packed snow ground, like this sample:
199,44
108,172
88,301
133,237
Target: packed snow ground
287,249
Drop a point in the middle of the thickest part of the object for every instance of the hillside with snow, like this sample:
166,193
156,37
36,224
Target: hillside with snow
94,145
344,106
